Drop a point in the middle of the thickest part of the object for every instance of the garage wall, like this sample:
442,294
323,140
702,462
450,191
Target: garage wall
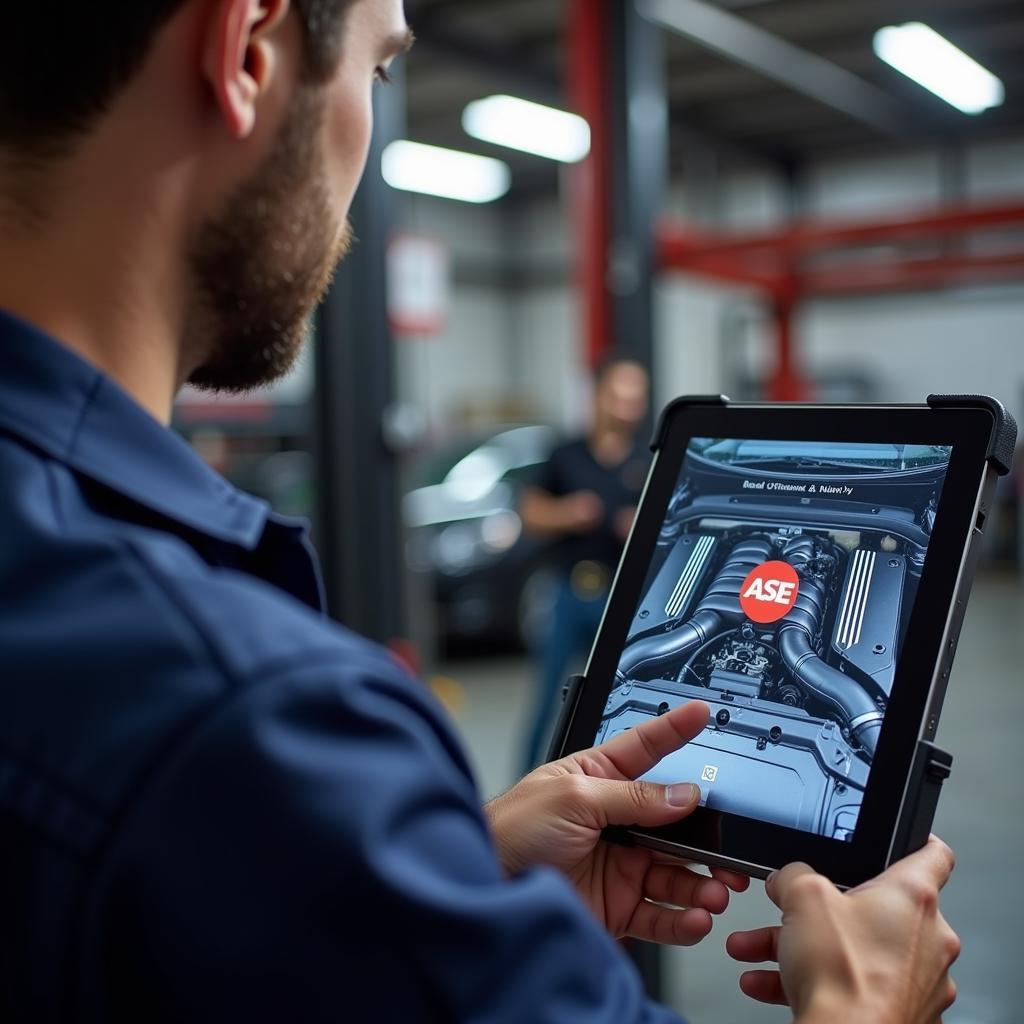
516,336
890,186
972,342
449,374
547,339
909,344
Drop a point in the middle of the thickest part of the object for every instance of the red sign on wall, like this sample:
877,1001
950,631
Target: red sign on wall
419,285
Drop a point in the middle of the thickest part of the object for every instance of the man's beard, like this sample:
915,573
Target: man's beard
261,266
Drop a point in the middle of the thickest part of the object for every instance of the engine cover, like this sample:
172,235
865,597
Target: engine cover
756,758
679,581
867,622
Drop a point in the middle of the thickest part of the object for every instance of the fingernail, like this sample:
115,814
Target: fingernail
682,794
770,878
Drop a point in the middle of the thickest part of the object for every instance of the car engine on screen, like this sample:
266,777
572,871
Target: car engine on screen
786,615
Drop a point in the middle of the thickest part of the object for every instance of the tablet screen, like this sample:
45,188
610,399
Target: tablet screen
779,592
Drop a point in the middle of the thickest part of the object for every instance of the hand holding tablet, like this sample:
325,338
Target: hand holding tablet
556,817
803,570
880,952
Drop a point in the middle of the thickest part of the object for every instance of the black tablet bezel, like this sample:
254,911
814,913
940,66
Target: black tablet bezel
756,843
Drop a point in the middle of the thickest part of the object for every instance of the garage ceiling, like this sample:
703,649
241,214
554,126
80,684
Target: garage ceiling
473,48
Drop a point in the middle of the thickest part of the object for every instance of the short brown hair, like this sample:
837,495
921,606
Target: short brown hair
63,63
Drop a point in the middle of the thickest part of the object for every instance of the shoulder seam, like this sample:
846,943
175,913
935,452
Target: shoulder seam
272,671
188,729
268,668
80,419
181,606
137,558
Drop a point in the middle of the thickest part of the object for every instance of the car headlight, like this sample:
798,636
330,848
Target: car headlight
467,545
455,548
500,531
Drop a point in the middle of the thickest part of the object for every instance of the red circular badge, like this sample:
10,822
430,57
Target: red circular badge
769,592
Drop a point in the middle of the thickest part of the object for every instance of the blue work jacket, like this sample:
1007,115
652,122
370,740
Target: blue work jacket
215,804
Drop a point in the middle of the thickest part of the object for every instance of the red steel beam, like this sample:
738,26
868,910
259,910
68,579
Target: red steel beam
590,180
675,254
884,275
771,261
803,238
910,275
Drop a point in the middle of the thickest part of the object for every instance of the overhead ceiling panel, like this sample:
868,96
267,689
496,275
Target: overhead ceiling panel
472,48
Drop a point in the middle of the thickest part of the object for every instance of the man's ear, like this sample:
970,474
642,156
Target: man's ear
238,56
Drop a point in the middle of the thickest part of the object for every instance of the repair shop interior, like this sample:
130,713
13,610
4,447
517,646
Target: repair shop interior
778,200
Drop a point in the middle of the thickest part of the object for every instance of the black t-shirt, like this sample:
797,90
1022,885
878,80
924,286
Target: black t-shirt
571,468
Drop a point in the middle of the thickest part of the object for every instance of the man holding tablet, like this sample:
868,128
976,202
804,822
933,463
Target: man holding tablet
215,805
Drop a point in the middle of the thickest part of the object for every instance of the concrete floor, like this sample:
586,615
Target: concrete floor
979,815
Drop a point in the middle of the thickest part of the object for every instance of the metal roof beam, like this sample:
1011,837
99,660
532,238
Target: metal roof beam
740,41
491,61
509,68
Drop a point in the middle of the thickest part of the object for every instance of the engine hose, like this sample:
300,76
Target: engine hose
851,702
719,608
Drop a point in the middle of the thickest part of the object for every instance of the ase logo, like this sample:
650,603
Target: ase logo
769,592
709,774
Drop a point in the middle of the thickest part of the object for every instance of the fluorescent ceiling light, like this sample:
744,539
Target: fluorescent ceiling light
934,62
414,167
529,127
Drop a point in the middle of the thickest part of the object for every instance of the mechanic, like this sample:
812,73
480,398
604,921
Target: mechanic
214,804
584,499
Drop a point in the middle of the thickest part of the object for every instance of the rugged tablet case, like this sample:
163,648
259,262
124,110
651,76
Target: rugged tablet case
931,765
1004,427
1001,447
571,693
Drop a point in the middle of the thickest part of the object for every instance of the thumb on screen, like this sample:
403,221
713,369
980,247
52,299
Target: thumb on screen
615,802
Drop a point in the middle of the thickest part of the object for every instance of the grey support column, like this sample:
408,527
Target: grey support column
639,171
639,155
358,514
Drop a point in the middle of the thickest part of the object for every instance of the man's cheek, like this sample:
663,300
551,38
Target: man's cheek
350,130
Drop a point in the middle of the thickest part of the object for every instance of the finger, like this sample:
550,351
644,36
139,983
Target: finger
682,887
652,923
953,945
669,858
603,802
636,751
795,884
764,986
757,946
733,879
949,995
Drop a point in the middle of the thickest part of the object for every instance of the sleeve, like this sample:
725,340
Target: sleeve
550,475
317,852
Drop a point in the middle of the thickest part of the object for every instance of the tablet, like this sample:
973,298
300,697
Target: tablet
804,570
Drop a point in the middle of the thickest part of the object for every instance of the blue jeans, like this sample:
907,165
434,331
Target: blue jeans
572,628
